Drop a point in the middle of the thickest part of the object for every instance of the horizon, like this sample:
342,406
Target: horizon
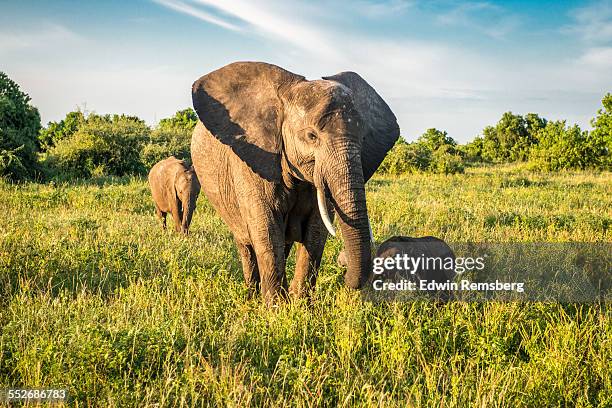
454,66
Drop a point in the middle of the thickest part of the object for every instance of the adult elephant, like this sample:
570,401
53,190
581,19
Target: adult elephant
270,147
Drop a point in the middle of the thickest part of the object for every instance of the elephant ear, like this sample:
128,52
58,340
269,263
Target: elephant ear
383,129
239,105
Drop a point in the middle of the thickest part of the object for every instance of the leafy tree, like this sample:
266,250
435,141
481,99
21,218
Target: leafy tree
19,127
490,144
164,143
434,151
405,158
172,137
443,155
445,160
102,145
183,119
602,133
56,131
433,139
473,151
534,124
562,147
511,138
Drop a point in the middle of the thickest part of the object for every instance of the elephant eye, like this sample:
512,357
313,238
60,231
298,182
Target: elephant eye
311,136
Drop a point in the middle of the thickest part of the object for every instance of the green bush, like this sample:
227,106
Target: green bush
56,131
19,127
171,138
404,158
446,160
94,145
433,152
166,142
601,135
510,140
472,151
185,119
102,145
561,147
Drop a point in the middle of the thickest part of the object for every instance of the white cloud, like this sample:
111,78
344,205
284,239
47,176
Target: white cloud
428,83
49,34
593,26
378,9
265,18
597,57
197,13
399,66
487,18
593,22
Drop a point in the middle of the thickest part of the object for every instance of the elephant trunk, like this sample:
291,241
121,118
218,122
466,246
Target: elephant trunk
189,204
344,178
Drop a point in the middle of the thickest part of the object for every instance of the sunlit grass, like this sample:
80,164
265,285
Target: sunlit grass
95,297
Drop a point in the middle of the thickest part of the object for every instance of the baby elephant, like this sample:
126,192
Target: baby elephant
175,189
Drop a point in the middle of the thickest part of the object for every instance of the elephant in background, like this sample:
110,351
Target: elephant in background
279,155
175,188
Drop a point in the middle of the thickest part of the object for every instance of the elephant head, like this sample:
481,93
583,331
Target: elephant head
332,133
187,188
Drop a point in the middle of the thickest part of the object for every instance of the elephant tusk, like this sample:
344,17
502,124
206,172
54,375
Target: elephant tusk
371,233
323,211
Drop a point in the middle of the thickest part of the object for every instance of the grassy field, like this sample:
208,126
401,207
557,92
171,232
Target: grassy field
95,297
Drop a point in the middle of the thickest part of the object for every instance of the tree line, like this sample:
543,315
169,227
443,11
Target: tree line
87,145
83,145
541,144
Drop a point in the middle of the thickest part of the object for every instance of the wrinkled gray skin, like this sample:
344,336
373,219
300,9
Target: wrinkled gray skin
267,142
175,189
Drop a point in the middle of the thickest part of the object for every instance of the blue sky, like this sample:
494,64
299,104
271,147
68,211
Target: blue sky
454,65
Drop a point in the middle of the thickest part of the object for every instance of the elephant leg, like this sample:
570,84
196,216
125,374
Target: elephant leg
249,268
269,249
308,259
176,217
161,215
177,214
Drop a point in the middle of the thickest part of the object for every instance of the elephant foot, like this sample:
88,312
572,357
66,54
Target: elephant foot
299,291
276,299
252,292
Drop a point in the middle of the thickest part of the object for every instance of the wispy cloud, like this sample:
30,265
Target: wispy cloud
410,73
598,57
407,72
197,13
593,26
264,18
400,66
489,19
593,23
45,35
271,20
383,8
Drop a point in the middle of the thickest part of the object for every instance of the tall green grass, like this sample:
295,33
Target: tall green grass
95,297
